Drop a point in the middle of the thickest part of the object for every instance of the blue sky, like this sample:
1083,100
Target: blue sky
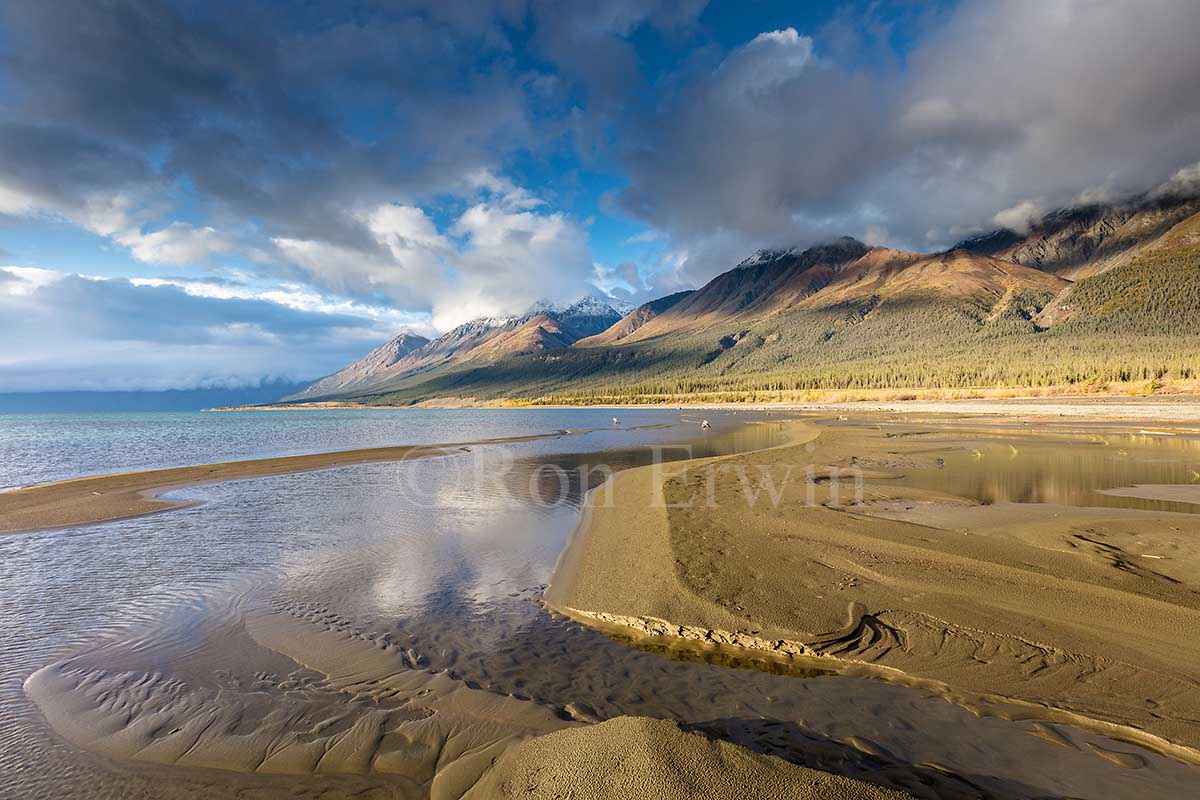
216,194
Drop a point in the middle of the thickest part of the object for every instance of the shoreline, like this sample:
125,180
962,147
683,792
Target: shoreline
124,495
621,573
1151,408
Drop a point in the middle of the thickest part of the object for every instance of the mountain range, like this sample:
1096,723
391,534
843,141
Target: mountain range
546,326
1091,295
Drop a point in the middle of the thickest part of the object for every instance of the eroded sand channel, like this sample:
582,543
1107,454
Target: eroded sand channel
338,638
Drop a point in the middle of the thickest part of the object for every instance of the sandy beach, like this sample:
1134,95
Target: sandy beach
1028,610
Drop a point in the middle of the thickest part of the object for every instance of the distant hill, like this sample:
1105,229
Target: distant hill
368,370
544,327
1086,297
634,320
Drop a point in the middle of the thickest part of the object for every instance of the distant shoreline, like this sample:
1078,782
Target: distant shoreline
1166,407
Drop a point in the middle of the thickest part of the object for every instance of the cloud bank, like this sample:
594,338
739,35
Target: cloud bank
64,331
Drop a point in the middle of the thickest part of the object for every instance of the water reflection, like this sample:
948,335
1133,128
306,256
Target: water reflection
1028,469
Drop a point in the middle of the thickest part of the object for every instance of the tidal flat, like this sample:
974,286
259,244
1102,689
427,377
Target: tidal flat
383,629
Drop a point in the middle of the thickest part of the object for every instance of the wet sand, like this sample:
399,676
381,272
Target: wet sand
359,706
314,697
423,732
1079,615
100,498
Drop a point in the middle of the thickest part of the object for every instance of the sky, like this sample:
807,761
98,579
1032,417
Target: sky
200,194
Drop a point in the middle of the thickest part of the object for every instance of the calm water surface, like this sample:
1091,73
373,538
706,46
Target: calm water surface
35,448
1021,467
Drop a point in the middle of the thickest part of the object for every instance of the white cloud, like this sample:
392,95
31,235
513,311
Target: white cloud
1185,182
405,230
499,256
509,260
875,236
501,191
179,244
300,297
14,202
20,281
122,218
107,215
1020,217
765,62
768,60
645,237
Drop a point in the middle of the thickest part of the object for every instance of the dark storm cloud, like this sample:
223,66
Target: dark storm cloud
293,121
1001,110
269,111
55,165
270,121
286,112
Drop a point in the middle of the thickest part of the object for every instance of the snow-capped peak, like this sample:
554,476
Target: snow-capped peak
763,256
842,248
588,305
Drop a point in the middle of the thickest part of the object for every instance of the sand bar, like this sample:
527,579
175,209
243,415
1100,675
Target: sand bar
1059,609
101,498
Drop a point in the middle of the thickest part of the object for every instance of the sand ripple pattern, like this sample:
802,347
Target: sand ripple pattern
357,706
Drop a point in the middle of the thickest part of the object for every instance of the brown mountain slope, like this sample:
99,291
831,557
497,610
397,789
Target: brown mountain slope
761,285
959,274
1084,241
782,284
634,320
546,327
1156,286
1184,236
535,335
375,367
